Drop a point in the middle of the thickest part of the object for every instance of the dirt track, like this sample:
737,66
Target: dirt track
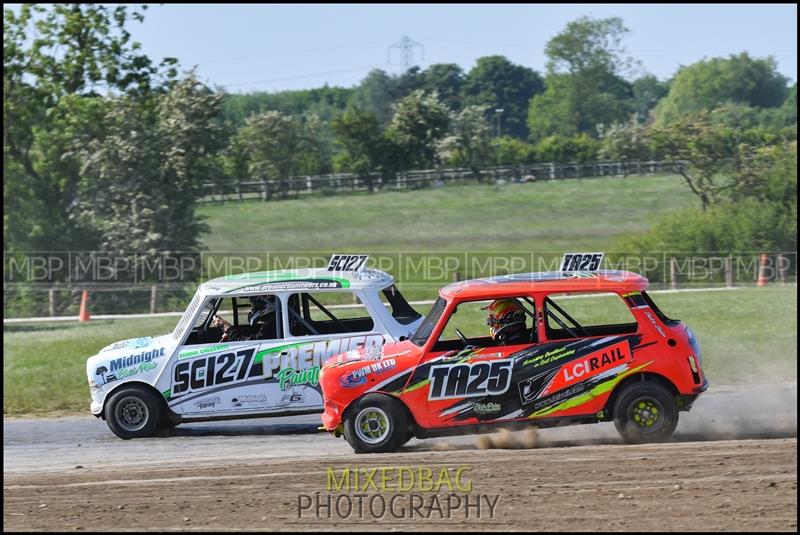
723,485
732,465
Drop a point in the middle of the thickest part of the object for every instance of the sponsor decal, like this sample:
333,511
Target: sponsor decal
581,261
134,343
559,396
144,367
130,360
470,380
290,377
655,323
345,262
530,388
486,408
207,403
213,370
307,284
295,397
249,400
303,356
359,376
127,366
549,357
203,351
589,366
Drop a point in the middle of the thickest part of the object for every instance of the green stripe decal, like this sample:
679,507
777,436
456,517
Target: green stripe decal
278,349
600,389
167,393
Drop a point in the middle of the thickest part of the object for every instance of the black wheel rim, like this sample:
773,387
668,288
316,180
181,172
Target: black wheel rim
131,414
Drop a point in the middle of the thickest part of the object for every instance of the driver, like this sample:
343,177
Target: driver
506,322
262,309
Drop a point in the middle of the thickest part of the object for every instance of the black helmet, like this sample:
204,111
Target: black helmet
260,306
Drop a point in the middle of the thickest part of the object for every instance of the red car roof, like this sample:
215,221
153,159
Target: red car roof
547,281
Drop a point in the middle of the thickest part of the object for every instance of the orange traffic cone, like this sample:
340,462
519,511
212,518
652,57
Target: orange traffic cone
83,315
762,271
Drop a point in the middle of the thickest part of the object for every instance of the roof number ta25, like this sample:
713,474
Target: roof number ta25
581,261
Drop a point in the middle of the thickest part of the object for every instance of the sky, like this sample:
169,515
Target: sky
297,46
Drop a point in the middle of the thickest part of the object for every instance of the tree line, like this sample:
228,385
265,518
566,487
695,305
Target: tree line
105,148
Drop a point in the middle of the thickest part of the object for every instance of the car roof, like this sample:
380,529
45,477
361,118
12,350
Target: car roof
297,280
546,281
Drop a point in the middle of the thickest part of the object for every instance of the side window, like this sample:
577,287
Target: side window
234,319
317,313
582,315
492,322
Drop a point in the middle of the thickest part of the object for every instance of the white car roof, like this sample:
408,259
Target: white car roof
297,279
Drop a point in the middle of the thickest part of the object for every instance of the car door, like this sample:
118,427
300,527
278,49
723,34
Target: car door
474,380
214,373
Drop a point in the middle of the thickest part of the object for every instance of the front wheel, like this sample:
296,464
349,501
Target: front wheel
645,412
133,412
376,424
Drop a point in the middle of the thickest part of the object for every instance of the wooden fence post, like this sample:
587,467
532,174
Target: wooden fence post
783,267
153,298
728,272
673,273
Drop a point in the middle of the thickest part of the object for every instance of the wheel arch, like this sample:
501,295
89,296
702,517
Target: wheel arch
640,377
412,422
145,386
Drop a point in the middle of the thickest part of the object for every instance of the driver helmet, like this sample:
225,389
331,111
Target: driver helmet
260,306
504,315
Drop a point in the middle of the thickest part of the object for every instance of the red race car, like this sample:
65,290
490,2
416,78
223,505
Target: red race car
567,347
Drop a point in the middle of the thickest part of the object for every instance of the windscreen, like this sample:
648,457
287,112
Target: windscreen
426,327
187,316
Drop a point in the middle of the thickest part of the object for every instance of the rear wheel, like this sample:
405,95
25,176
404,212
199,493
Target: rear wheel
645,412
133,412
376,424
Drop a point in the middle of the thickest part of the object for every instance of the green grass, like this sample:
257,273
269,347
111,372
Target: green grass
747,335
583,214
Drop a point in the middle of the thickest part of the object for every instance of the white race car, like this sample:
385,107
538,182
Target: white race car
248,345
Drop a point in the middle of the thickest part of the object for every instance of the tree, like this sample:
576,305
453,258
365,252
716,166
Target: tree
647,92
359,135
710,150
580,148
709,84
448,80
625,141
497,83
276,145
507,150
140,180
375,94
468,143
55,61
419,121
584,80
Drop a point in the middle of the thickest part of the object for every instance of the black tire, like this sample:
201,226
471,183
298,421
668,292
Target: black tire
133,412
645,412
383,424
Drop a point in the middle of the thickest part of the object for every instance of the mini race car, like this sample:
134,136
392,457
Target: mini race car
248,345
589,346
